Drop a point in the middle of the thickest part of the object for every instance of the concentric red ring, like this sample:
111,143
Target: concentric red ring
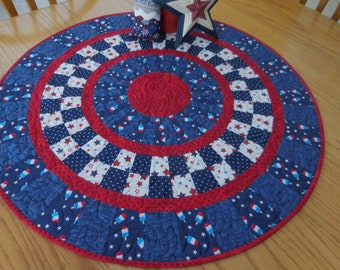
149,204
155,150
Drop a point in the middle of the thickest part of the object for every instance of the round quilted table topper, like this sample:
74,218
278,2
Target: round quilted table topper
131,151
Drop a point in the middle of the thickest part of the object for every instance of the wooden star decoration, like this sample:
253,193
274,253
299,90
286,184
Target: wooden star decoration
190,13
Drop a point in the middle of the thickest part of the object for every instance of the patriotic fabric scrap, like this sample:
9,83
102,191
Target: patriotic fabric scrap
147,20
143,153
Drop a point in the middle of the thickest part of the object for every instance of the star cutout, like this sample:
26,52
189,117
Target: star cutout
197,9
190,13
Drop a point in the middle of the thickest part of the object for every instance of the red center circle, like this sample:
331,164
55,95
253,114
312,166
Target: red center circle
159,94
